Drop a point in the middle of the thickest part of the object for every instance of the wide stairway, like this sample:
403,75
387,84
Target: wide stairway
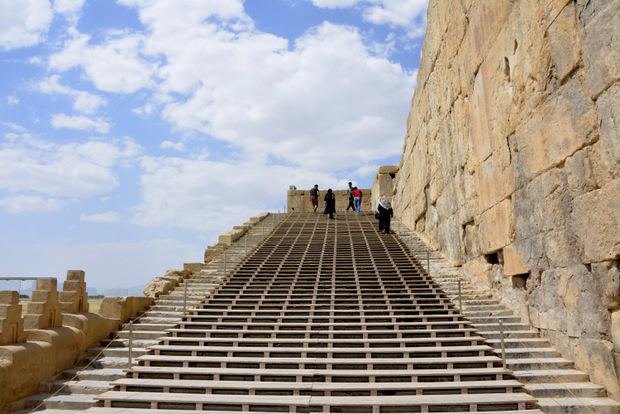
324,316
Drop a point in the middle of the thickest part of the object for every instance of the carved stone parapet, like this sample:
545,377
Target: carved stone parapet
11,321
44,309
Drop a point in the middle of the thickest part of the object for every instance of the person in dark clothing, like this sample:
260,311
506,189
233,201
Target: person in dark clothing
330,203
350,194
385,214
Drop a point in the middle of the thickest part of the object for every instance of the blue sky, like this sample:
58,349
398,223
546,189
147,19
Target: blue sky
134,132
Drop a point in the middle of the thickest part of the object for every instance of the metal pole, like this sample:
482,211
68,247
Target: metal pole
501,335
130,340
428,262
460,299
411,243
263,228
224,262
185,297
245,245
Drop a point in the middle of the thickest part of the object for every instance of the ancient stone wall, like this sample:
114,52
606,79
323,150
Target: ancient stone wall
299,200
512,158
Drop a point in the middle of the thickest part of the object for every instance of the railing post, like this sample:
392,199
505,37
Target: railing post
224,263
245,245
411,243
428,262
130,343
185,297
501,335
460,299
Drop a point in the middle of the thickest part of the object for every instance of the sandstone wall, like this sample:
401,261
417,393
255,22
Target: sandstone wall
512,157
299,200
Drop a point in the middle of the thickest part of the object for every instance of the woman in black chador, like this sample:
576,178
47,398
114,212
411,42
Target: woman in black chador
385,214
330,203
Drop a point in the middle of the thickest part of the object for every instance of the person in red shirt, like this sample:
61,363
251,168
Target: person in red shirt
357,198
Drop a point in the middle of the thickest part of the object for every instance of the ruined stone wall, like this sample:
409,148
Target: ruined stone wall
512,158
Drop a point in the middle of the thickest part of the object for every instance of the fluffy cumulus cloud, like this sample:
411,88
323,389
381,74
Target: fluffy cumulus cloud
84,102
24,22
115,65
253,92
404,13
74,170
80,122
30,204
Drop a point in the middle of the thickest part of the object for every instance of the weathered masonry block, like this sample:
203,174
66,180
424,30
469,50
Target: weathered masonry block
11,322
44,311
73,298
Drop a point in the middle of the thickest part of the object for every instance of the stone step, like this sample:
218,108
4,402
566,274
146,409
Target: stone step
510,333
92,374
510,327
553,390
118,352
65,402
143,326
493,320
517,353
141,335
115,362
525,343
552,376
585,405
524,364
80,387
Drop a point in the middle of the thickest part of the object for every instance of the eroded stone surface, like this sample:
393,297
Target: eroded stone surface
511,162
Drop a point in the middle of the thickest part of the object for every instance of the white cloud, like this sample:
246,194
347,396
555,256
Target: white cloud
68,6
77,170
108,217
313,106
408,14
83,101
113,66
30,204
80,122
211,196
395,12
179,146
12,100
23,22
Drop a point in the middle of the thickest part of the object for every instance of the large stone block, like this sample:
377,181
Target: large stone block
496,227
557,130
565,42
595,219
601,49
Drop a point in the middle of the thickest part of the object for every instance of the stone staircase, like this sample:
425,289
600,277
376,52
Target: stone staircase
76,389
553,380
324,316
